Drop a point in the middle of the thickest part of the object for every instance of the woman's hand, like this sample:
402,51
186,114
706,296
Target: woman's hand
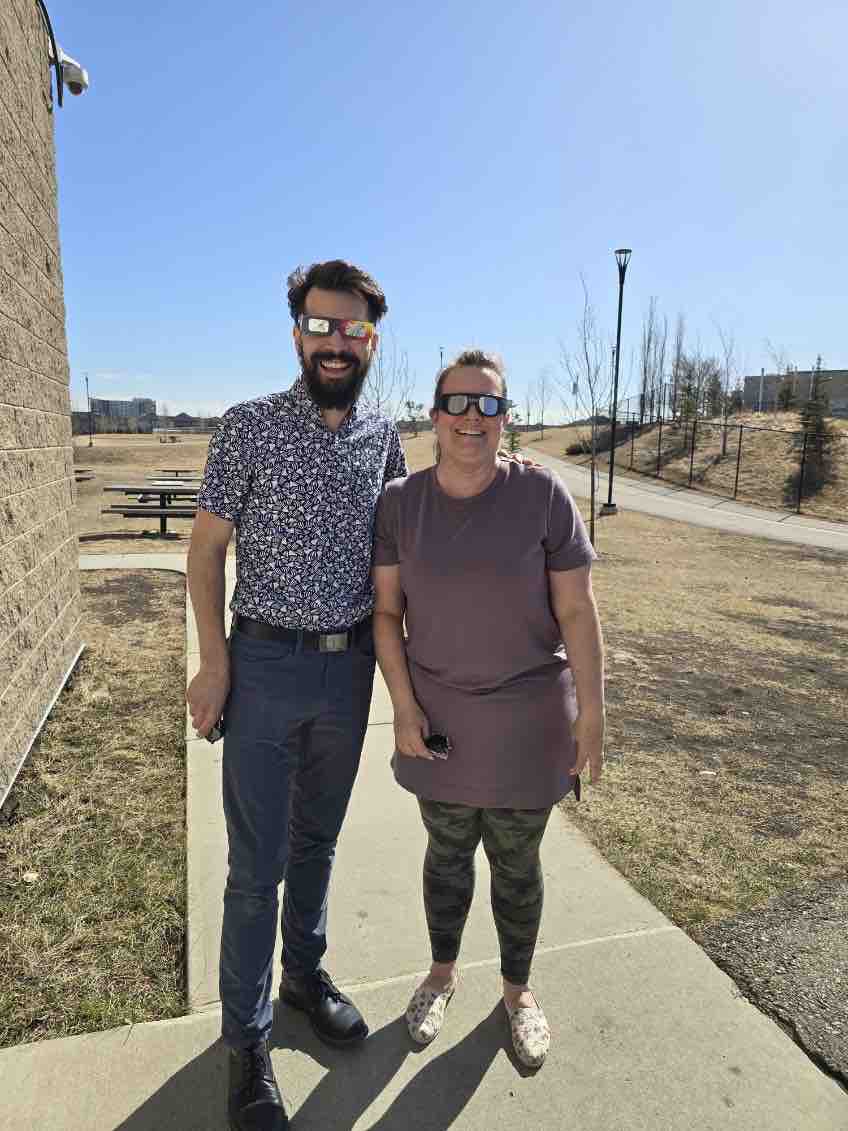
588,731
411,728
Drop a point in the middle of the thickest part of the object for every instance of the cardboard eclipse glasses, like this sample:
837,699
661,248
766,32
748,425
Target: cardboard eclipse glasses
353,328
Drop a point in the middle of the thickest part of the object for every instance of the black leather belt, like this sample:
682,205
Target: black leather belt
316,641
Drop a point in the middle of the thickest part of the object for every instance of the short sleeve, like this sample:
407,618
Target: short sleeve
386,528
226,478
567,544
395,459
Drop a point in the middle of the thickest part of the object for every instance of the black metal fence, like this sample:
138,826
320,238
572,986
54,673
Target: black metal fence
798,469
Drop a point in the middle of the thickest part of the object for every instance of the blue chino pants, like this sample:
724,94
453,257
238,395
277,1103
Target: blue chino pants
295,724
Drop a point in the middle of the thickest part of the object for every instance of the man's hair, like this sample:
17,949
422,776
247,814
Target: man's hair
479,359
335,275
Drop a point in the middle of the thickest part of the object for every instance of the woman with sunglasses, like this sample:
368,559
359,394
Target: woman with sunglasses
497,689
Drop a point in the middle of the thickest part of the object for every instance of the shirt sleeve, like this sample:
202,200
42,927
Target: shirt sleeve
386,528
395,460
226,478
567,544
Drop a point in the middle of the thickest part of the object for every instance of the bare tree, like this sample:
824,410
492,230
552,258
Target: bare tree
529,403
728,375
587,376
679,341
646,359
414,412
544,392
388,385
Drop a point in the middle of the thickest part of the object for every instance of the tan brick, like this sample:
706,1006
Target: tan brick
57,572
31,275
28,468
17,558
23,389
42,218
39,582
23,648
23,81
19,739
26,152
23,348
20,306
22,512
26,236
20,428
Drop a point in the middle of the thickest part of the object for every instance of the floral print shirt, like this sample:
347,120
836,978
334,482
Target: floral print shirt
303,500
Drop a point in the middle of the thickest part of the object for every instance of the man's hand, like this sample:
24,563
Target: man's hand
206,695
588,731
514,457
411,728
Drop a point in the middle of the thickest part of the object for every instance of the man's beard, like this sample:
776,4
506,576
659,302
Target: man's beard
343,391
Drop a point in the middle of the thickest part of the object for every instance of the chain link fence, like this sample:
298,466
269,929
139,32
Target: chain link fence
802,470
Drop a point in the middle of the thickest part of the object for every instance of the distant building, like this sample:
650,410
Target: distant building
137,406
760,392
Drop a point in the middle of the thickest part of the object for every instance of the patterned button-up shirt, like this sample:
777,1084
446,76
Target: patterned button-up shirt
303,500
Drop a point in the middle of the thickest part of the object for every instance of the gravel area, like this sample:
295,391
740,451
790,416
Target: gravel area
790,958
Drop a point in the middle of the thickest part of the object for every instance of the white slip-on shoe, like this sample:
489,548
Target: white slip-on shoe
425,1013
531,1034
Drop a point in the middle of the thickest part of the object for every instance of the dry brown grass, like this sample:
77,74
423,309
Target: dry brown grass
128,458
92,841
727,775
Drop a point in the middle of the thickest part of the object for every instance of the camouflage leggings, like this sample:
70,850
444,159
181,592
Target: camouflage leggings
511,840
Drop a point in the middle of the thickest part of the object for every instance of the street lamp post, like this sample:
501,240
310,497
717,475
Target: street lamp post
90,418
441,357
622,258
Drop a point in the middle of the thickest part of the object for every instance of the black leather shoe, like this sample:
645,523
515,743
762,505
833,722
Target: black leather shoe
255,1102
334,1017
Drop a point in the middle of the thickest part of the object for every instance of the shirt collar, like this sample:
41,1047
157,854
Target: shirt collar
305,405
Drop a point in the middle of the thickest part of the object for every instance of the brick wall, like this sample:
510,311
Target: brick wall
39,585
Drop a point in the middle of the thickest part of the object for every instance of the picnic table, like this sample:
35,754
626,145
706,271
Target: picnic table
176,472
167,490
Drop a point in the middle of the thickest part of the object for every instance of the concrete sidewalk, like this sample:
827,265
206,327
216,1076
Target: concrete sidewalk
653,496
648,1034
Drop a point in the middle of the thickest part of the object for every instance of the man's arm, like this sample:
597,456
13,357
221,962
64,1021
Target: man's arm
574,607
207,693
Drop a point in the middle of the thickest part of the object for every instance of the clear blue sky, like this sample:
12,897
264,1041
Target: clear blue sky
476,158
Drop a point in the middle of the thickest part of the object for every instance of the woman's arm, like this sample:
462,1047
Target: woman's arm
410,721
574,607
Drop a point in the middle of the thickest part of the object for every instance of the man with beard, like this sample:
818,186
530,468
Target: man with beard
297,475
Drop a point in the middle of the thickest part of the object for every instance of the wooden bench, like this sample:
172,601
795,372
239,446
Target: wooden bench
141,510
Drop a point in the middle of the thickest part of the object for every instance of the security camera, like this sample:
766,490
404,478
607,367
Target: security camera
74,76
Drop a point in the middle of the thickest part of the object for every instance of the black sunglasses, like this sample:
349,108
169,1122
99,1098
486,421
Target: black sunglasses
457,404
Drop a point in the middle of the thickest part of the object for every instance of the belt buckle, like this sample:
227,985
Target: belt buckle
333,641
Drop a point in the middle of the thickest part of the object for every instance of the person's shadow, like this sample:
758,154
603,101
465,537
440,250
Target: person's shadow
195,1098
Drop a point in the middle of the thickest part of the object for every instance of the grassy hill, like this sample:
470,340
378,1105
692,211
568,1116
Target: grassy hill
768,467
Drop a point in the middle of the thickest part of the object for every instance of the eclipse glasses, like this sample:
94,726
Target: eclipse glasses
319,327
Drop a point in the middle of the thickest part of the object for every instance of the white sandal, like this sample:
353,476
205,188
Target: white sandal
425,1013
531,1034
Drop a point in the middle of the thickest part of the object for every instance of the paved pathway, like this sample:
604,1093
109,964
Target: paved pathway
651,496
648,1034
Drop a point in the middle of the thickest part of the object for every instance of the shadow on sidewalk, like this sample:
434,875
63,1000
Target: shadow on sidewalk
434,1097
195,1098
